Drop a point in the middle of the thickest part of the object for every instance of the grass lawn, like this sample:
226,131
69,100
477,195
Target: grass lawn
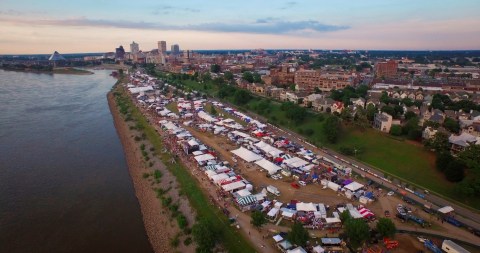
172,107
228,236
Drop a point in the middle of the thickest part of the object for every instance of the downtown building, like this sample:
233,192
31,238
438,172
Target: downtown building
308,80
386,69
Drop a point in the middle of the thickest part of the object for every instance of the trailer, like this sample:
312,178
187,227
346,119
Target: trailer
273,190
451,247
431,246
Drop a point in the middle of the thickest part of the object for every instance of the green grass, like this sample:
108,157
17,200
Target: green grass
173,107
229,237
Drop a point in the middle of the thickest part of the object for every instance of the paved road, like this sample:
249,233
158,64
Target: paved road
464,215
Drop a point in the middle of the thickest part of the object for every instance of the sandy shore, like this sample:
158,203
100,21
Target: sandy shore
159,225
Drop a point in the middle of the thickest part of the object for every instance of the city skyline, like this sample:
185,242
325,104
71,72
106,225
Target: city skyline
100,26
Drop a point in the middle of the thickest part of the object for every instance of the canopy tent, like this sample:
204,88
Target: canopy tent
332,220
331,241
205,116
233,186
267,148
268,166
193,142
219,177
446,209
306,207
243,193
247,200
318,249
297,250
278,238
354,186
295,162
285,245
204,157
273,212
140,89
365,213
288,212
246,154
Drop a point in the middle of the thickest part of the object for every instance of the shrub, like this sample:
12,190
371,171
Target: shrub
182,221
146,175
187,241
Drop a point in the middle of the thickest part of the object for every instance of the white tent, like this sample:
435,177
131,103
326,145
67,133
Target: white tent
295,162
205,116
246,154
332,220
203,158
306,207
354,186
445,209
297,250
273,212
219,177
269,166
278,238
233,186
318,249
140,89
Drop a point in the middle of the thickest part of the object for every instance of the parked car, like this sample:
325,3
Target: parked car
387,213
390,193
295,185
302,183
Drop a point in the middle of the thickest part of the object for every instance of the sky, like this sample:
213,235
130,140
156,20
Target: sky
43,26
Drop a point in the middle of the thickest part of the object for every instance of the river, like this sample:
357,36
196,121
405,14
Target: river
64,182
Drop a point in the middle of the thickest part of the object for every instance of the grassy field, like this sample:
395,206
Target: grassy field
229,237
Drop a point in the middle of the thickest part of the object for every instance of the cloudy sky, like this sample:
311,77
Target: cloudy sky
42,26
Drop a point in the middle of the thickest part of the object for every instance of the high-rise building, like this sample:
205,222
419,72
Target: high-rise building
134,49
175,49
119,53
162,47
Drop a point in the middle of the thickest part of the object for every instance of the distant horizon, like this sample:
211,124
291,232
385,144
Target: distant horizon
265,49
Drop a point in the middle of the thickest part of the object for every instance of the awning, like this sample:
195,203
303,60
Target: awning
268,166
446,209
247,200
246,154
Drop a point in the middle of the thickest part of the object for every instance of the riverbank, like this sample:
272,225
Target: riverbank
149,179
63,71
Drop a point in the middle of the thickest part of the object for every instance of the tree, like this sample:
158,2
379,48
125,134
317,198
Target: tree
204,236
317,90
206,77
257,78
296,113
439,143
344,216
228,76
346,115
452,125
258,219
214,68
298,235
471,157
396,130
331,128
361,119
371,110
389,110
247,76
357,231
409,115
455,171
241,97
386,227
442,160
213,111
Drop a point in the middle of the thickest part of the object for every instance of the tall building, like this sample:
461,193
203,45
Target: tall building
134,49
175,49
386,69
119,53
162,47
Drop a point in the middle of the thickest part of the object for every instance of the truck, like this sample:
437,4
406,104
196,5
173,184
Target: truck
452,221
273,190
451,247
432,247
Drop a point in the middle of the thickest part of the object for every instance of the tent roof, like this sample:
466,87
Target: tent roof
297,250
318,249
233,186
332,220
246,154
269,166
334,241
354,186
306,207
446,209
277,238
204,157
274,211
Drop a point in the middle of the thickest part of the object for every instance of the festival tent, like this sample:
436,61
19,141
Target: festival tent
278,238
332,220
272,213
219,177
295,162
204,157
318,249
247,200
233,186
354,186
205,116
246,154
196,153
285,245
365,213
331,241
445,209
297,250
269,166
243,193
288,213
140,89
306,207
